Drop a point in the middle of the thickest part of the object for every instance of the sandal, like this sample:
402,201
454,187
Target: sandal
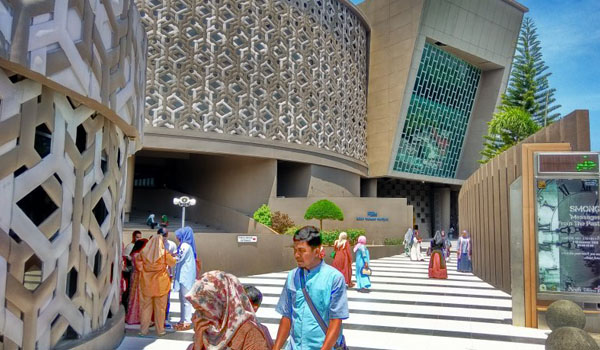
182,326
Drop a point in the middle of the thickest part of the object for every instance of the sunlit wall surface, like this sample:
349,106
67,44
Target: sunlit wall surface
438,114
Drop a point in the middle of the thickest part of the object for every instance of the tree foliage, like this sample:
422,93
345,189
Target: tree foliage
323,210
508,127
528,86
263,215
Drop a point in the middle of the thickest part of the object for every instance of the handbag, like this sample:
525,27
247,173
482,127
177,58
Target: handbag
338,346
365,270
332,254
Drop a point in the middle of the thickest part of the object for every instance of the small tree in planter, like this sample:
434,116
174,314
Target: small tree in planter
323,210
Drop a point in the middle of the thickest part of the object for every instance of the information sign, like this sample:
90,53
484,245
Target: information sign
247,239
568,235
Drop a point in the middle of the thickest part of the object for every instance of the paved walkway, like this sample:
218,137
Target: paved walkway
405,309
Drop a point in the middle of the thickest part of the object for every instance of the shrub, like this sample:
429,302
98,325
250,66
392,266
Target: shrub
281,222
263,215
291,230
323,210
393,241
329,237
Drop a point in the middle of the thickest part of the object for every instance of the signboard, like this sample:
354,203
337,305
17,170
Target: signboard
556,163
371,216
568,234
247,239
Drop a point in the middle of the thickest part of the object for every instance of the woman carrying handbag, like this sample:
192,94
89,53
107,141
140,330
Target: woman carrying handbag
363,271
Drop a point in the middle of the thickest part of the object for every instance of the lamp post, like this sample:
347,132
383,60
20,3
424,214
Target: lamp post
184,202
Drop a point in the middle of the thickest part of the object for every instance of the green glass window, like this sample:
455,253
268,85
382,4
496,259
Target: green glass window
438,114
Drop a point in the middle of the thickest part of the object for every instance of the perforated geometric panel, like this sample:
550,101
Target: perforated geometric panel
50,233
280,70
438,114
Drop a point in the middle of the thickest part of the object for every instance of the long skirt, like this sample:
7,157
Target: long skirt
133,307
415,252
437,265
362,281
464,263
343,262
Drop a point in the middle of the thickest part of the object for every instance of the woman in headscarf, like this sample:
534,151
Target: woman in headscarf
224,317
133,306
446,246
155,284
415,247
437,263
343,258
185,274
407,241
464,253
363,281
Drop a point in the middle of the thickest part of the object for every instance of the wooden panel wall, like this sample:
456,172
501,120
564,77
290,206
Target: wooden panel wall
483,202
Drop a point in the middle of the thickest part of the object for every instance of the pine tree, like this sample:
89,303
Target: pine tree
508,127
528,86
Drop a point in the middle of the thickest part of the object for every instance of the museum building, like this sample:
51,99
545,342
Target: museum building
380,107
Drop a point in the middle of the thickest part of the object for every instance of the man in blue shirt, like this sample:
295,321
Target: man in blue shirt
327,290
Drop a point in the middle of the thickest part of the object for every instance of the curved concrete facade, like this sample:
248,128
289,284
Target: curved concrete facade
72,78
292,72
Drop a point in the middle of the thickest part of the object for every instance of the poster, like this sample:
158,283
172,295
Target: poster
568,235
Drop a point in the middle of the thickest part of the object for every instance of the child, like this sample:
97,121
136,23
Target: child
256,297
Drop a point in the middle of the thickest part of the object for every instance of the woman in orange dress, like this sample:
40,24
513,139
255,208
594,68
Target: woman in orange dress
224,317
133,306
343,258
155,284
437,262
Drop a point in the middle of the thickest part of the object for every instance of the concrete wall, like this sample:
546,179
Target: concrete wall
481,32
484,205
485,105
394,29
396,210
332,182
239,183
272,253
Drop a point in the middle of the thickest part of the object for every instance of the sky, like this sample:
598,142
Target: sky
570,38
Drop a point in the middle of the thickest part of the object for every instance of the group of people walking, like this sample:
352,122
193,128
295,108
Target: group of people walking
342,261
439,252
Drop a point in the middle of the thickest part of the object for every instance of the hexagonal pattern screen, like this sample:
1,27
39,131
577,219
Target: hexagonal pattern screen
279,70
438,114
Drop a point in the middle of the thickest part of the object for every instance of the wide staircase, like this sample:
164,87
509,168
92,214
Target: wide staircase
137,221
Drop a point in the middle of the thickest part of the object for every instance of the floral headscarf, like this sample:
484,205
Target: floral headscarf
222,307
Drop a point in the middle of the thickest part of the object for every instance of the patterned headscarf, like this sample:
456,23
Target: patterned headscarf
362,241
186,235
222,307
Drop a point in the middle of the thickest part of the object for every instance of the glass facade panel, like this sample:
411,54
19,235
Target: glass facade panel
438,114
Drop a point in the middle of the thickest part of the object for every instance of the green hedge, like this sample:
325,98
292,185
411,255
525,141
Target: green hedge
329,237
393,241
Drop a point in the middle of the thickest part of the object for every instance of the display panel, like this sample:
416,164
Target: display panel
568,235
